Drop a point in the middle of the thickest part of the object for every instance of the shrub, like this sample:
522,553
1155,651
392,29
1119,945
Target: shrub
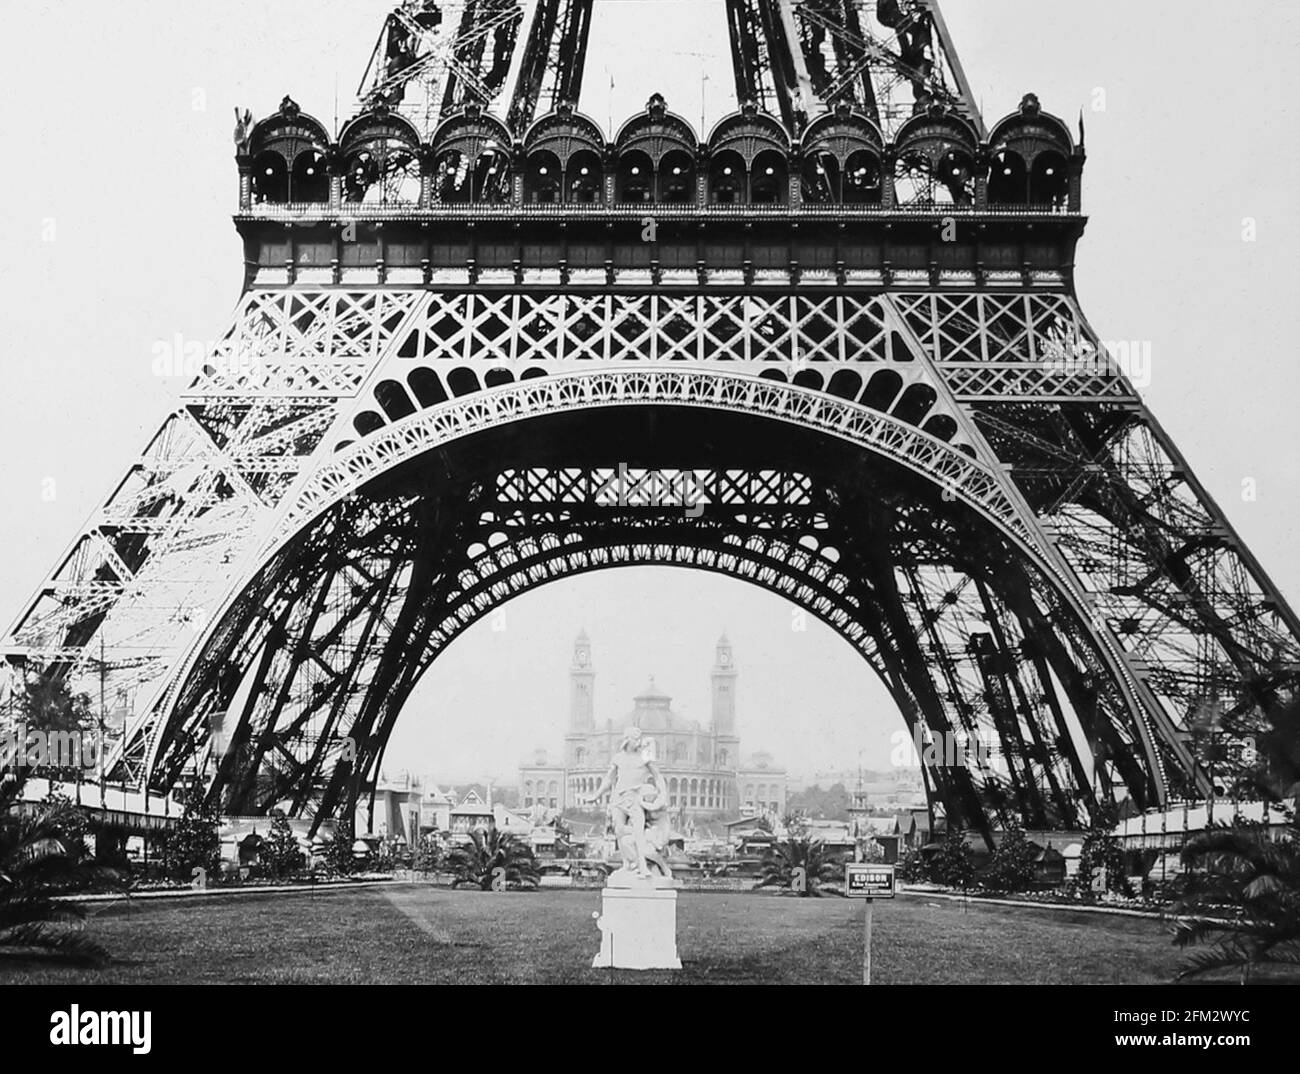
282,854
954,862
195,843
1012,867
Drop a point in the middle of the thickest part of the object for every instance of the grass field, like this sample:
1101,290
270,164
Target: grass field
413,934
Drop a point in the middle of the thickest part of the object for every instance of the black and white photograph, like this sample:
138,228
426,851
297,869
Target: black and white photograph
596,493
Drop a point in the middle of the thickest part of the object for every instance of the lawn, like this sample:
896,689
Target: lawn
413,934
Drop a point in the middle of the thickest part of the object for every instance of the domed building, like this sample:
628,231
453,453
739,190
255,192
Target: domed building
703,765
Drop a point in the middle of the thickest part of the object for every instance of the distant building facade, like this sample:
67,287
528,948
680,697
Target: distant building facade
702,765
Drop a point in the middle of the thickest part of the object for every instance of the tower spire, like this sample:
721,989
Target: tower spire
724,688
582,679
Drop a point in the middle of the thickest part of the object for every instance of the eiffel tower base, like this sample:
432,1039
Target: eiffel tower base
638,929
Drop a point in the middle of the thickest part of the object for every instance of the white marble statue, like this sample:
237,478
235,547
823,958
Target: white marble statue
638,808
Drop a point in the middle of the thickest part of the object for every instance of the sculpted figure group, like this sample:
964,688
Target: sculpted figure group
638,808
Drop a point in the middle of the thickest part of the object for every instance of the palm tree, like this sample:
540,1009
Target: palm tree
818,865
43,856
494,858
1243,892
1244,896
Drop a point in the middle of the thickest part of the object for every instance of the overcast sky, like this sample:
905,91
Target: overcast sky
118,117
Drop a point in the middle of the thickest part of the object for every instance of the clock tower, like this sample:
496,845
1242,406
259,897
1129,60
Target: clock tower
724,690
582,678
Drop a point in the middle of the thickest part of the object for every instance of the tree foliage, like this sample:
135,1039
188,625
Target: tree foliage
800,865
282,854
43,856
46,704
338,856
830,804
494,861
1243,886
1012,866
1101,859
1242,899
195,843
428,854
954,861
912,867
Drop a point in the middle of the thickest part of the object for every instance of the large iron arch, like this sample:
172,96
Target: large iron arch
266,657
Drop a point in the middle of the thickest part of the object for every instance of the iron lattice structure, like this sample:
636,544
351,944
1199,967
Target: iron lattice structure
826,349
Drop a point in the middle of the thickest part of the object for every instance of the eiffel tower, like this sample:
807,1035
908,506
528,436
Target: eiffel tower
829,346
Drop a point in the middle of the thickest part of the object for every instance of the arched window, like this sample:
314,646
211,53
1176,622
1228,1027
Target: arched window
472,159
453,179
270,178
862,175
309,181
727,179
635,181
380,153
676,178
842,155
361,174
288,151
936,159
1008,179
955,178
656,157
1031,158
584,179
455,182
1049,182
821,178
769,182
491,178
542,179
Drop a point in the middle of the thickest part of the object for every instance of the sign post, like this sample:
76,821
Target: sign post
868,882
866,944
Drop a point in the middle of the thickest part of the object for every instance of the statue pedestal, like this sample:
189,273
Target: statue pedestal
638,927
